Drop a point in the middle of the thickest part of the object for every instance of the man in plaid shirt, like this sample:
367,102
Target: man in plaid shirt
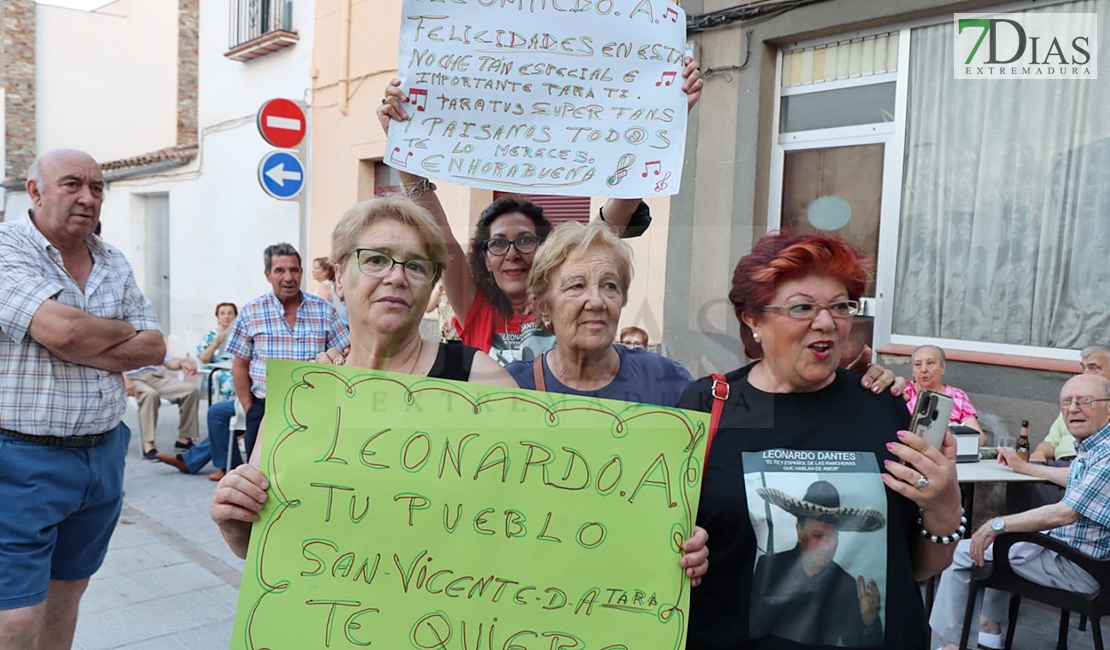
284,324
1081,520
72,319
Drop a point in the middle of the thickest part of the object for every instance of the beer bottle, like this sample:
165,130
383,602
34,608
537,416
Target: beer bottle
1022,447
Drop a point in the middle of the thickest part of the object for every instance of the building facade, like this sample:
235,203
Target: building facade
168,95
983,201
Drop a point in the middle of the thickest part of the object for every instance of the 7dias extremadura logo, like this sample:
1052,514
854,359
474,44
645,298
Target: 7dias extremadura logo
1026,46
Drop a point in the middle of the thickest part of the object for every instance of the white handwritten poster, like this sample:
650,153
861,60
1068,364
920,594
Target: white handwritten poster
574,97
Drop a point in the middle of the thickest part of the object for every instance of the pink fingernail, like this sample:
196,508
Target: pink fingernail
890,446
902,434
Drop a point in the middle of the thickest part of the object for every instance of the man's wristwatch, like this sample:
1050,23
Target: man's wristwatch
997,525
416,189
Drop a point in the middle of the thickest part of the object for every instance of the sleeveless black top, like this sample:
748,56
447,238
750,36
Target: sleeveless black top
453,361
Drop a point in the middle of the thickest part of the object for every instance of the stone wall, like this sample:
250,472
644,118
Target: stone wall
17,73
188,36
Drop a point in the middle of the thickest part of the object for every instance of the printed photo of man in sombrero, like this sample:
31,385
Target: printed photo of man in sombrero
803,594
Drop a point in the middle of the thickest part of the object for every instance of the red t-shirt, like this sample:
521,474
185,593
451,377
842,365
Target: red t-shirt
506,339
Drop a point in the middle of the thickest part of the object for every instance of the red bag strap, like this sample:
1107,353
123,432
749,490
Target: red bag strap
720,396
537,372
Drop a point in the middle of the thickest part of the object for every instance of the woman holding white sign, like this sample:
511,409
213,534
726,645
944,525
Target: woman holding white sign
488,288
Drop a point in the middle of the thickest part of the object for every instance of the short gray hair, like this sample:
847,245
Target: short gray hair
34,172
573,237
943,359
395,207
1095,347
279,249
1102,381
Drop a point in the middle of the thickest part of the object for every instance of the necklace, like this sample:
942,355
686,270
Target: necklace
416,358
558,370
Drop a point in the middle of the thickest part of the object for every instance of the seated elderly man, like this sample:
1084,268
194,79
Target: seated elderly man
1081,520
1059,445
1058,448
149,384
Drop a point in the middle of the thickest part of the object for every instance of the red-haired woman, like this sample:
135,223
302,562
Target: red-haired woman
809,549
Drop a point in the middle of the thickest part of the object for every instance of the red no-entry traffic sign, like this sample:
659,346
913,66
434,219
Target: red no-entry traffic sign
281,123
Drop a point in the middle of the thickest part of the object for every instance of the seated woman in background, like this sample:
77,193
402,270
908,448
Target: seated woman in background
633,337
211,350
929,365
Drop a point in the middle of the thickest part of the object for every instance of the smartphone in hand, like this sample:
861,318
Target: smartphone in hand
930,416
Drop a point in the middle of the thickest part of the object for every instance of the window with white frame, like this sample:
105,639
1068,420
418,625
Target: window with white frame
1004,227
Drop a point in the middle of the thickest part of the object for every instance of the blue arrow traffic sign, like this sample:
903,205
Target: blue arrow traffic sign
281,174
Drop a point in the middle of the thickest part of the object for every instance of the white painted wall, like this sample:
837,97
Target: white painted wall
231,89
106,82
220,219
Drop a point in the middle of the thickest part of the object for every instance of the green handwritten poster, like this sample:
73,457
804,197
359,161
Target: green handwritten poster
578,97
408,512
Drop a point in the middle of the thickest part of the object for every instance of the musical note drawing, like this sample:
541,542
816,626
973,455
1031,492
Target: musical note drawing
667,77
623,165
398,160
671,13
658,167
418,97
662,184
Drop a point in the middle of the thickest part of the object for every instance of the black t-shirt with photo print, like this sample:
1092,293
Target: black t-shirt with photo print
840,421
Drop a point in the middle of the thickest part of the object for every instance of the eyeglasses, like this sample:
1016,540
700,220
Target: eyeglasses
630,343
810,310
377,264
1081,402
523,245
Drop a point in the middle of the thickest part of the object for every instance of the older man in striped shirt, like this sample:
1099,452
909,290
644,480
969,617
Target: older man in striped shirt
286,323
1081,520
72,320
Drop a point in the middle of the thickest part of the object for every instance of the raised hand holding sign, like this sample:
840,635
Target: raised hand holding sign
543,99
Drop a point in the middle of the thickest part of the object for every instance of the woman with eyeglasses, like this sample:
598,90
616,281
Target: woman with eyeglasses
487,288
633,337
807,573
388,254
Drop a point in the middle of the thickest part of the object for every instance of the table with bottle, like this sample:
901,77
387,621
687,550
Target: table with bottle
989,470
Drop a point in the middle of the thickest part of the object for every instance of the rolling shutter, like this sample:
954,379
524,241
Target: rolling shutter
557,209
